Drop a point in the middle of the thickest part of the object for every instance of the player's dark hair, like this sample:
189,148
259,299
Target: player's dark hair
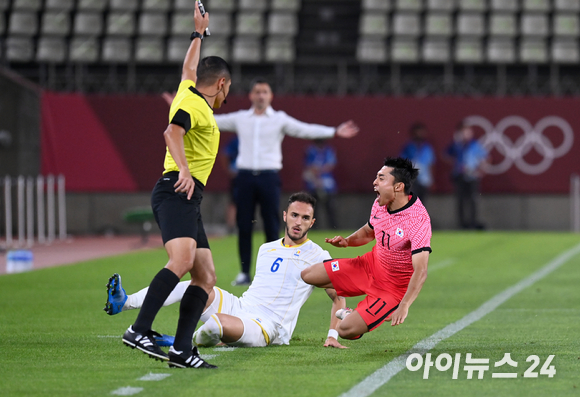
259,80
403,171
302,197
211,69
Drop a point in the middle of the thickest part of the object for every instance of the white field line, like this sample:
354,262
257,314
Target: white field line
154,377
127,391
441,264
381,376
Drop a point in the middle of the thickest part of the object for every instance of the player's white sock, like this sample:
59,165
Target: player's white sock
135,301
209,334
342,313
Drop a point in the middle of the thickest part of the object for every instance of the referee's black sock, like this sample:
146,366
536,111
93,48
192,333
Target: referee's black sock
163,283
192,305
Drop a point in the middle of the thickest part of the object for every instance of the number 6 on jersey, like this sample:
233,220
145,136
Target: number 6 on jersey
276,265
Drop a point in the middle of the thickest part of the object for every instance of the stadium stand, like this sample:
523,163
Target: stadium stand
312,40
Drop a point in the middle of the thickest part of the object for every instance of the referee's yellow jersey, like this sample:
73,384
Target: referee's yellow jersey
191,111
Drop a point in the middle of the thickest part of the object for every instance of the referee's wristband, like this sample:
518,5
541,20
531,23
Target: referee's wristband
196,34
332,333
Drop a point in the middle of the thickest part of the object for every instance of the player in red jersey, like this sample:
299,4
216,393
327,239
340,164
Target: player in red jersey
392,274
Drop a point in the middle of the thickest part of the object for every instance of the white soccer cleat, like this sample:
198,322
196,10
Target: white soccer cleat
342,313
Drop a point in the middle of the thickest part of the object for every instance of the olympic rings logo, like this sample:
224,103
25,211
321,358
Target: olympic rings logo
533,138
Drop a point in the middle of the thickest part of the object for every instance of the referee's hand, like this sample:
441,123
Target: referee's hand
185,183
201,22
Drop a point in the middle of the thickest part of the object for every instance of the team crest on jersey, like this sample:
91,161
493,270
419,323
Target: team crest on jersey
399,232
334,266
297,253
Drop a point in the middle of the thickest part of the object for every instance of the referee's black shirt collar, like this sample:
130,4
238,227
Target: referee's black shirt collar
196,92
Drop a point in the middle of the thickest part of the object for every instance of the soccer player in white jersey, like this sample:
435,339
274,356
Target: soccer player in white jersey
267,312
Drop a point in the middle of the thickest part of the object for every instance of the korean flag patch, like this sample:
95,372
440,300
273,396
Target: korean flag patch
399,232
334,266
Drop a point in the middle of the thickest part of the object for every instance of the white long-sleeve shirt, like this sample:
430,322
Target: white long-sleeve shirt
261,136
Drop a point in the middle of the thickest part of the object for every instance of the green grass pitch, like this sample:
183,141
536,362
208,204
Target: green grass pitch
55,340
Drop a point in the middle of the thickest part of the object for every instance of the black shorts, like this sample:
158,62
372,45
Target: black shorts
175,214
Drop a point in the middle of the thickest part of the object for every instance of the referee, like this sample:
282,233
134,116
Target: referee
192,139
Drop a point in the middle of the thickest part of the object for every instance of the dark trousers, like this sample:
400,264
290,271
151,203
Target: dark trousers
466,192
256,187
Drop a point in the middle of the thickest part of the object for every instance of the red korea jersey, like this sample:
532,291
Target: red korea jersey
399,235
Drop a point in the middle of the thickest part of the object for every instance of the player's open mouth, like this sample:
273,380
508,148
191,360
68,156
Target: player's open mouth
296,229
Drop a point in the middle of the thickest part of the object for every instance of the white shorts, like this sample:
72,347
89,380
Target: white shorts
258,331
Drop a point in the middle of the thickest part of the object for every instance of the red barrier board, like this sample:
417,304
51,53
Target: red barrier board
115,143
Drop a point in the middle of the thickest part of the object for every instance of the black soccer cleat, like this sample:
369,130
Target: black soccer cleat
187,359
144,342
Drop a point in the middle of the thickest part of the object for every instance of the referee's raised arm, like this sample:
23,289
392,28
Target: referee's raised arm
189,71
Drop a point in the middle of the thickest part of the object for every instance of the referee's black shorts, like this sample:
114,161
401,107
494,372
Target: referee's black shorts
175,214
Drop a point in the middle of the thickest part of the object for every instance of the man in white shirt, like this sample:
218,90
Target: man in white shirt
261,131
267,312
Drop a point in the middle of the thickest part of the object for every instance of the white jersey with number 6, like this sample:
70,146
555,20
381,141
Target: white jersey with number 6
277,291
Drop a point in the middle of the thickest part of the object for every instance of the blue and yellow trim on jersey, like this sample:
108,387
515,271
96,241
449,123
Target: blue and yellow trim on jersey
293,246
263,332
